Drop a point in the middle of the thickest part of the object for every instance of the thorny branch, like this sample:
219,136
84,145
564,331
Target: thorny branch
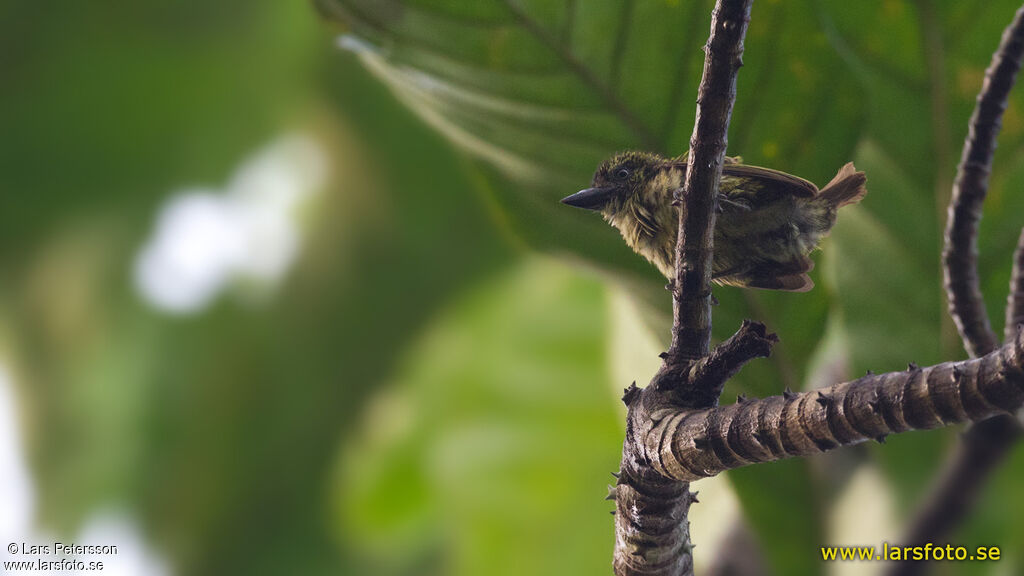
676,433
960,255
691,329
668,445
651,526
688,445
705,378
986,444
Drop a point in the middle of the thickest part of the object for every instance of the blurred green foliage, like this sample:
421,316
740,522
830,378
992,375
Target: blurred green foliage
889,84
420,397
460,440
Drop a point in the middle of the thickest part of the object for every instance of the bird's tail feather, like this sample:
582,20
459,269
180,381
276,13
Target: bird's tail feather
789,276
846,188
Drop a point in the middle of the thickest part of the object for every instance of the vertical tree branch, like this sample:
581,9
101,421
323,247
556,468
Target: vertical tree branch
691,333
985,444
652,533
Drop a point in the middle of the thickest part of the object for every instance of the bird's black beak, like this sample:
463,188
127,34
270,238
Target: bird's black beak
591,198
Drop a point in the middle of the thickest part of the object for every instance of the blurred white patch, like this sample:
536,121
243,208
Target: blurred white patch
133,558
712,520
194,251
632,348
863,516
205,240
354,43
17,497
18,524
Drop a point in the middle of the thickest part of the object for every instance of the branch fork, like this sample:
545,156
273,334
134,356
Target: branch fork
687,444
676,432
699,383
652,534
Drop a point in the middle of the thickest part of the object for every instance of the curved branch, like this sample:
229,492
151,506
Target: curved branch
960,255
688,445
983,448
985,445
1015,301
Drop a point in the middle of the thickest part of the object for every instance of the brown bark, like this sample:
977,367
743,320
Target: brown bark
960,256
691,334
652,533
687,445
986,444
676,432
669,444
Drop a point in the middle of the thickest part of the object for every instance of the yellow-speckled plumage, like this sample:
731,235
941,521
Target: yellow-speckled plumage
768,221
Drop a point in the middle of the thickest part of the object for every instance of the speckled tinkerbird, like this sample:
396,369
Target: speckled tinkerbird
767,225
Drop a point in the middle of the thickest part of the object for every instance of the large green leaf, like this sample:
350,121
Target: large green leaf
540,92
222,429
490,451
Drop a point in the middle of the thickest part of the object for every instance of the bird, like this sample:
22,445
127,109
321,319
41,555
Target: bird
767,225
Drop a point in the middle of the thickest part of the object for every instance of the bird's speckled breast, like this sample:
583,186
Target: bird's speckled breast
648,221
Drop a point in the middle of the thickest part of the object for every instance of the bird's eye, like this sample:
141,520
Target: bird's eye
623,173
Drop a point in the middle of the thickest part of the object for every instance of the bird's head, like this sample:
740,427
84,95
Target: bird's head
617,180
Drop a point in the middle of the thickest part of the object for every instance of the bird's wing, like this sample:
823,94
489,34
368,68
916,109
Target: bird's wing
771,182
753,186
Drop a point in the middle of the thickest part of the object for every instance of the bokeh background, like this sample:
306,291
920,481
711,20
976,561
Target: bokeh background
285,288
